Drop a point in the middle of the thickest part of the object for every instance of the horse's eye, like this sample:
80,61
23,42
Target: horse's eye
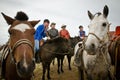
104,24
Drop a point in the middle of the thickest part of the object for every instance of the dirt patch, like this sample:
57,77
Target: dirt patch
67,75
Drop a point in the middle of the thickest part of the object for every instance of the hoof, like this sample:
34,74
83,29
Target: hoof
70,69
62,71
58,72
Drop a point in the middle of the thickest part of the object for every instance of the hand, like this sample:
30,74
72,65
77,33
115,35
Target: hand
48,38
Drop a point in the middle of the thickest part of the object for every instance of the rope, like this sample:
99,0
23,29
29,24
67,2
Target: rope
19,42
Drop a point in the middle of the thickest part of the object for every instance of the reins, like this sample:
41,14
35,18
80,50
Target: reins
18,43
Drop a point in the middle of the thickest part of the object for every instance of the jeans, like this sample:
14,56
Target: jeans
36,47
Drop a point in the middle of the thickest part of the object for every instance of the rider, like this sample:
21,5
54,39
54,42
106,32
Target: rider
53,32
40,33
81,32
64,32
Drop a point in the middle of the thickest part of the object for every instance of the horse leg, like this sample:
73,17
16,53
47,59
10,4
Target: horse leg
69,60
48,72
82,74
62,58
44,71
58,60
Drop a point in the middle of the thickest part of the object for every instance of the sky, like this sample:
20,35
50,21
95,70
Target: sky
69,12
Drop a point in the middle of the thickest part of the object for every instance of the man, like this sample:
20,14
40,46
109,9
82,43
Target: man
40,33
81,32
53,32
64,33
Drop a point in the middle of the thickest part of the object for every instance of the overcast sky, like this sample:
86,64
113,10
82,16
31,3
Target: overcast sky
70,12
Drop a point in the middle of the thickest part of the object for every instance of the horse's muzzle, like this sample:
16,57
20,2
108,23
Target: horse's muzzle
91,49
24,69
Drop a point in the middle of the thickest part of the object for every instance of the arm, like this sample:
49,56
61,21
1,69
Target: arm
37,33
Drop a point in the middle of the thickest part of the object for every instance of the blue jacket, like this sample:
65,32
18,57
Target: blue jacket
40,32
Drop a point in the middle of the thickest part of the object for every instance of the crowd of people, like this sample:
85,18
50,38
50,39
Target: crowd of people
42,31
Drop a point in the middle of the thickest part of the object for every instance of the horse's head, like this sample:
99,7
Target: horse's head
98,30
21,43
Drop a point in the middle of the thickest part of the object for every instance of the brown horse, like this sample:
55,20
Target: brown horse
49,50
72,42
19,64
114,50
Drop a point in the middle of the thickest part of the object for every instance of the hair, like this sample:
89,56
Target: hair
46,20
21,16
80,26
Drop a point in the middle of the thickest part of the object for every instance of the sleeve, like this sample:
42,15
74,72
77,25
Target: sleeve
84,33
57,33
60,33
67,35
37,33
43,33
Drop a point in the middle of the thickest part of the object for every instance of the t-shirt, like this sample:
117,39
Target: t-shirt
53,33
82,33
65,34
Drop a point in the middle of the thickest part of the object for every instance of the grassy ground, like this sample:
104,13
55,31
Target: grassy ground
67,75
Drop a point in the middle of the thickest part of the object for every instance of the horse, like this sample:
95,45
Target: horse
49,50
60,58
114,50
95,59
18,62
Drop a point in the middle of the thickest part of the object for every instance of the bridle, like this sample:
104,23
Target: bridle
18,43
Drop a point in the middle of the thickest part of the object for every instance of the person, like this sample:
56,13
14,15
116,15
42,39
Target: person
53,32
64,33
40,33
81,32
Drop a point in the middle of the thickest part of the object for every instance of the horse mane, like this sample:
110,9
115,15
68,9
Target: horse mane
56,40
21,16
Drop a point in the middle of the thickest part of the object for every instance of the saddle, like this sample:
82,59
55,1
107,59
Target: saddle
3,56
78,56
116,34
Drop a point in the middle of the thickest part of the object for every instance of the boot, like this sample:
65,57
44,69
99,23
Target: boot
37,57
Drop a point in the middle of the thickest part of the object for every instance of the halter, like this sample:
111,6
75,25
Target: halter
18,43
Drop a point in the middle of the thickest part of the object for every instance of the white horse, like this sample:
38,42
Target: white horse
95,57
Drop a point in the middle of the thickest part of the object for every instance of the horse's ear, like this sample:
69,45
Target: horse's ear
33,23
8,19
90,15
106,11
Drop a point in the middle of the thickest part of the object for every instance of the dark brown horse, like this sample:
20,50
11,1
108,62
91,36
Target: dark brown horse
72,42
19,64
49,50
114,50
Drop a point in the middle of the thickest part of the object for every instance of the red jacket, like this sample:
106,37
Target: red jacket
64,33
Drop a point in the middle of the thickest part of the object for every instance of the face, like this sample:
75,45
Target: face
98,31
81,29
46,24
23,53
99,26
21,42
52,26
